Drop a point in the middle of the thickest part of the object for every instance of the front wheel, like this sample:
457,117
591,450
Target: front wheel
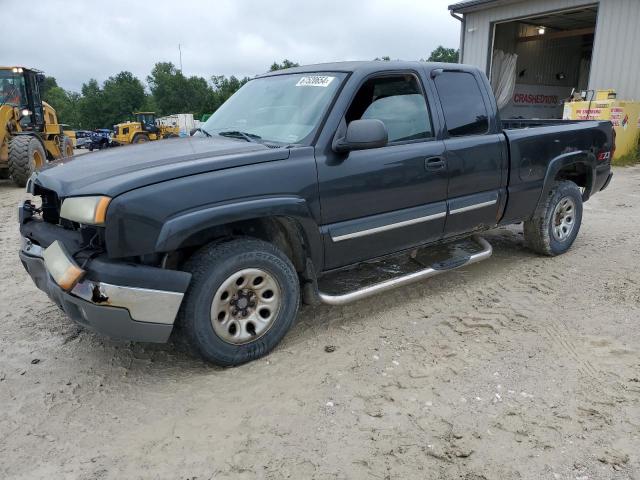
243,298
556,222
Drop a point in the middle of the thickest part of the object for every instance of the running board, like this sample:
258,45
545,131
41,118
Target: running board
434,269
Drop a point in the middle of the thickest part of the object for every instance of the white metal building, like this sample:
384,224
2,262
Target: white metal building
539,50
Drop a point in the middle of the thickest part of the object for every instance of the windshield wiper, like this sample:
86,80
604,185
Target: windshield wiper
202,130
249,137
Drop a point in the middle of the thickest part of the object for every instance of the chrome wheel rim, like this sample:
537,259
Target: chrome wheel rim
245,306
564,219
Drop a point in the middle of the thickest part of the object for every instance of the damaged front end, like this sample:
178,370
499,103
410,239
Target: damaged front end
122,298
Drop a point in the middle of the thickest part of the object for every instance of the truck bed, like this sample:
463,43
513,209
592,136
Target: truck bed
533,145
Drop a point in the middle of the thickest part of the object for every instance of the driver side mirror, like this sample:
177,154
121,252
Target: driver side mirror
362,135
40,77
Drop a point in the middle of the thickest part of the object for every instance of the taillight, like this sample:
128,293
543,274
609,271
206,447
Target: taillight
613,141
604,155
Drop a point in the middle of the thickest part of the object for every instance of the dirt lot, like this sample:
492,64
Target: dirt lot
520,367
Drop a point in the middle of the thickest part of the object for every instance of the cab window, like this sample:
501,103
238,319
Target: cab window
397,101
12,88
464,110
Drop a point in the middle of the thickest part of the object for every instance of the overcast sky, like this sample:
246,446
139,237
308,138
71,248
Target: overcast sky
75,40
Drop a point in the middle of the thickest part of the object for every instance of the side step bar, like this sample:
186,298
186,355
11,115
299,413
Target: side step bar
435,269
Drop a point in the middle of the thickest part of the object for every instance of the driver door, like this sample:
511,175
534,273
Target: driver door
383,200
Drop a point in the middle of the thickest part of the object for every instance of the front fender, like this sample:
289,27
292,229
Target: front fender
177,230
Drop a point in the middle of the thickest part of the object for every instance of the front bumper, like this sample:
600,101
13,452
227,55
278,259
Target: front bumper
119,311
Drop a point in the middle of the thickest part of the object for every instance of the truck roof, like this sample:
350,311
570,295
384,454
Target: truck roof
367,67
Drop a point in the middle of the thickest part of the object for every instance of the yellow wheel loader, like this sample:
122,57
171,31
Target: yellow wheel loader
144,128
30,134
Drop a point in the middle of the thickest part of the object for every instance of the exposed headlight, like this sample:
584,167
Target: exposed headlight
26,112
64,270
86,210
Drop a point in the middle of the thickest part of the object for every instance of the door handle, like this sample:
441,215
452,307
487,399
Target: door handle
434,163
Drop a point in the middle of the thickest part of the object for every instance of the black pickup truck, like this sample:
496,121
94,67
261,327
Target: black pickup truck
299,174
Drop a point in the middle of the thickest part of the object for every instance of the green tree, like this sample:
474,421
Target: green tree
66,105
91,106
200,96
168,87
47,84
281,66
122,94
442,54
174,93
223,88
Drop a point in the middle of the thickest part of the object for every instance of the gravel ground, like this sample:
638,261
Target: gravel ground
519,367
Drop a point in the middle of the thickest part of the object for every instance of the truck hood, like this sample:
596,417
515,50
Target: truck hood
117,170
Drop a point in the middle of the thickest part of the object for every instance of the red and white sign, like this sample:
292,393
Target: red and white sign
588,113
536,101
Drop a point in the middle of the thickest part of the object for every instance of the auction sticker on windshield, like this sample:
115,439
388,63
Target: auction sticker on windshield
315,81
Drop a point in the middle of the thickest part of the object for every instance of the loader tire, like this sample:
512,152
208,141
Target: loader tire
26,155
140,139
66,147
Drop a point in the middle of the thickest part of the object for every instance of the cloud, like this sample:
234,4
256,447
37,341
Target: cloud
75,40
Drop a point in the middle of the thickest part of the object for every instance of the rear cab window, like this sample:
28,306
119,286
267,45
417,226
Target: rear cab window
465,112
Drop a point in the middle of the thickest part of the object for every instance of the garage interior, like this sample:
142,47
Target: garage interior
553,56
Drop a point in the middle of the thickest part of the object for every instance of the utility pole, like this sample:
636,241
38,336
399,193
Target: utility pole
180,50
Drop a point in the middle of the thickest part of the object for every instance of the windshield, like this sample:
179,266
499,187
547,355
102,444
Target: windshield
11,88
282,108
146,118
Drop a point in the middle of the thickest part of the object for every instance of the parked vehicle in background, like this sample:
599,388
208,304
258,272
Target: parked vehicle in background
83,138
300,174
100,138
144,128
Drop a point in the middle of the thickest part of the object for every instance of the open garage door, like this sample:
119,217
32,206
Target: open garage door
553,54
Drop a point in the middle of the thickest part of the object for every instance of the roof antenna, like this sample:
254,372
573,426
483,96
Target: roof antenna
180,50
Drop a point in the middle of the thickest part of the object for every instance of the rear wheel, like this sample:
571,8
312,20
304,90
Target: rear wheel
26,155
556,222
140,139
243,298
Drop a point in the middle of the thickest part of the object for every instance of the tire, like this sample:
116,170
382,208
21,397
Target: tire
26,155
140,139
206,317
556,222
66,147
